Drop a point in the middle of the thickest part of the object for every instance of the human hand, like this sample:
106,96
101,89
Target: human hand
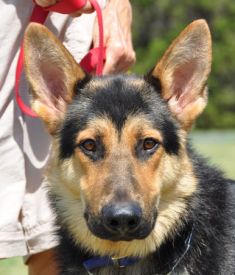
117,17
86,9
45,3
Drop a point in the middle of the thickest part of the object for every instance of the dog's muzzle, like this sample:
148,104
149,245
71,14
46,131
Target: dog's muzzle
120,222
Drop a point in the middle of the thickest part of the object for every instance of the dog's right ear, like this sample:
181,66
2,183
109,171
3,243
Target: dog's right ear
52,73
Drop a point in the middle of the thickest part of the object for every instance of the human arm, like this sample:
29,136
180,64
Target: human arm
117,17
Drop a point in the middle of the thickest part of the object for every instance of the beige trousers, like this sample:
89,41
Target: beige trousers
26,220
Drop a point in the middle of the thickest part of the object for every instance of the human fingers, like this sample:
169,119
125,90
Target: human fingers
88,8
119,58
45,3
119,51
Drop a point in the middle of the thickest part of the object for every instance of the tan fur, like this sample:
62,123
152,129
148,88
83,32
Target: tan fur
87,185
96,84
45,55
188,61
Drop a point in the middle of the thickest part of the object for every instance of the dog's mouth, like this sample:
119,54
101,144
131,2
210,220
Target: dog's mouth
122,226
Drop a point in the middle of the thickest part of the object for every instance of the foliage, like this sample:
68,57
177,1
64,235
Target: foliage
158,22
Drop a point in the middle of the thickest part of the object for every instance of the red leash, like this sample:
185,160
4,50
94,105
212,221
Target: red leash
93,60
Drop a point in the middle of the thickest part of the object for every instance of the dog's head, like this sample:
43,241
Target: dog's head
119,169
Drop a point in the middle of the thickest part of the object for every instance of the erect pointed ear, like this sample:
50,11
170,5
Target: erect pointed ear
52,73
183,72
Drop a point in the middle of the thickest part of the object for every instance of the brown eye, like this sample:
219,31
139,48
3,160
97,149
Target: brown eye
89,145
149,143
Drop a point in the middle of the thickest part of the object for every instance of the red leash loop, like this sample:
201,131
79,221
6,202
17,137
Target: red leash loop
94,59
99,68
24,108
39,16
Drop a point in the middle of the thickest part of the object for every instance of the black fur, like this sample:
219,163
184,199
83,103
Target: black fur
117,100
211,211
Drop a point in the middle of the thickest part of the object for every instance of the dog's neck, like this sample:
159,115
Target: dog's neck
166,260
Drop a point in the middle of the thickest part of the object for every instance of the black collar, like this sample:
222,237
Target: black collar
122,262
98,262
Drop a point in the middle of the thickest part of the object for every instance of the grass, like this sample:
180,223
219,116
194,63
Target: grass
218,146
13,266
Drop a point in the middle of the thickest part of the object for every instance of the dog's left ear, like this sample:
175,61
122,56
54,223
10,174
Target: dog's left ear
52,73
183,72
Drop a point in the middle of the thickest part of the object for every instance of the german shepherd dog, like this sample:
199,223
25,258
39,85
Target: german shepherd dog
129,193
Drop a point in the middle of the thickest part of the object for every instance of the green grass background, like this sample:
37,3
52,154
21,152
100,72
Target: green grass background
218,146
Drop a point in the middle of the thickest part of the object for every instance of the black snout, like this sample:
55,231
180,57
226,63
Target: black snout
122,218
121,221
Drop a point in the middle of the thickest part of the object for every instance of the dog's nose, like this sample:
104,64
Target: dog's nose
122,218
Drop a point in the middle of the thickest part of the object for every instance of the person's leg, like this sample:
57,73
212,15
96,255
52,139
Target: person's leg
43,263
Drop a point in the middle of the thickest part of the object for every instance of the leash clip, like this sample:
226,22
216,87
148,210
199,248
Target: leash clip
117,262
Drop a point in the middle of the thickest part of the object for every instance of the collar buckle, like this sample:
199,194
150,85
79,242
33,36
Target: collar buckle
117,262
